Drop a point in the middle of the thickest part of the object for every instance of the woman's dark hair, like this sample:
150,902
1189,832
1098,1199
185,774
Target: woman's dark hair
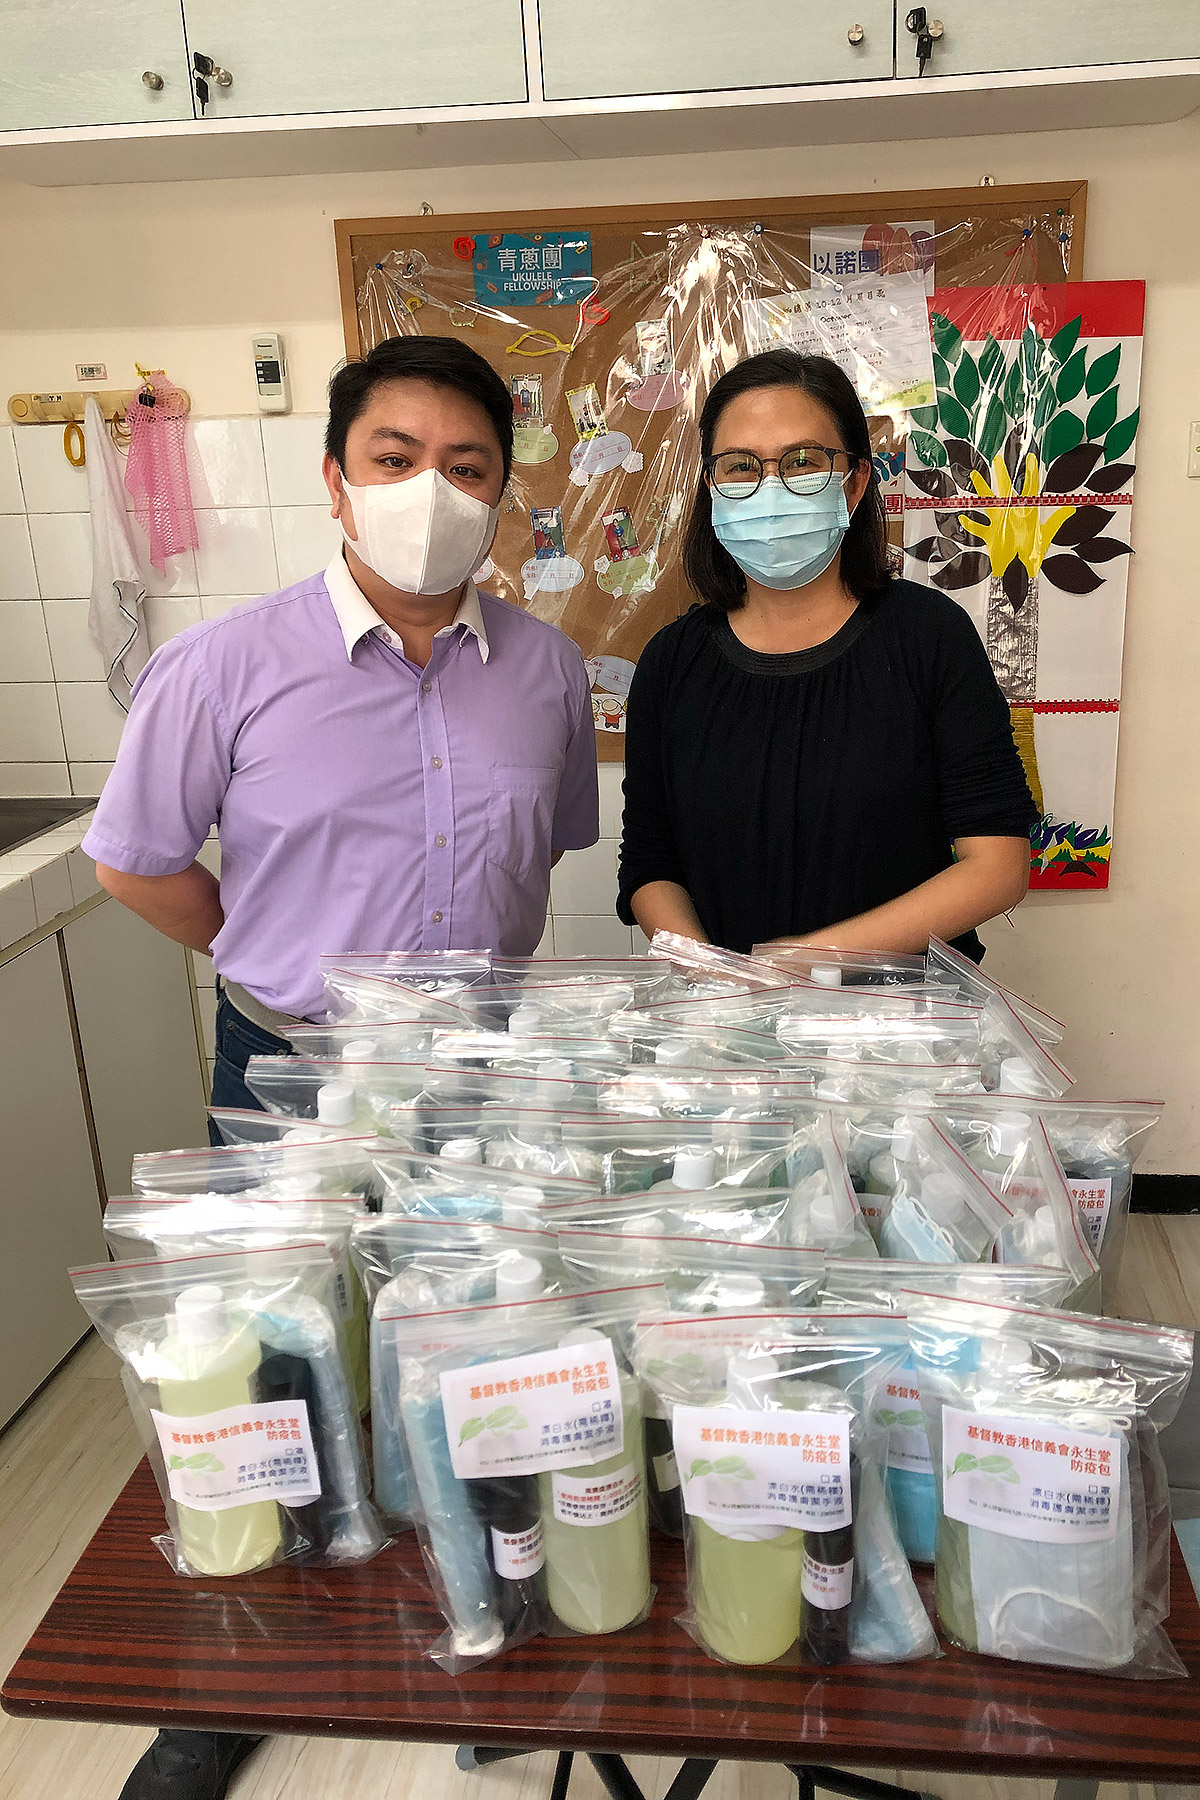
442,361
707,564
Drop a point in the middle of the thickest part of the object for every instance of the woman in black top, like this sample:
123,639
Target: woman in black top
818,752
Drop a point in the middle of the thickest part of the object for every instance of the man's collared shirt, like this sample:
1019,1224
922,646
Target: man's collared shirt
363,803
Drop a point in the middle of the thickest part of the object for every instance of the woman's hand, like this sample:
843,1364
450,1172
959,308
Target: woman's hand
990,877
665,906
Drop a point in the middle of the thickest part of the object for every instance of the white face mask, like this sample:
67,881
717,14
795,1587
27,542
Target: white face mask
423,535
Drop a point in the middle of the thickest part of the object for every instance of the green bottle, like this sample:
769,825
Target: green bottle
595,1528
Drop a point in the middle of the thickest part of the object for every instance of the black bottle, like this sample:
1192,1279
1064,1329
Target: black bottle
282,1379
826,1586
508,1507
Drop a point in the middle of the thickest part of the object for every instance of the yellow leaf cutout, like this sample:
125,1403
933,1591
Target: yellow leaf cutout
1013,531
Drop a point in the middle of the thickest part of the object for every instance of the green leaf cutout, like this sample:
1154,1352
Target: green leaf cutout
955,419
471,1429
930,449
1103,415
994,429
947,339
1013,392
1121,436
1046,402
924,416
1071,376
1103,371
991,361
1063,342
1063,433
1033,349
966,380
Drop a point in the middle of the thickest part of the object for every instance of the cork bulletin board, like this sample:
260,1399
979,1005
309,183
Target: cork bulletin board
951,310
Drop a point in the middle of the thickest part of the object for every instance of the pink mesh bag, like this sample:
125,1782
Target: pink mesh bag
156,474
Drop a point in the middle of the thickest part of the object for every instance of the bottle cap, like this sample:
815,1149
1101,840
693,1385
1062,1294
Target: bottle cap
308,1133
694,1167
822,1216
521,1205
462,1150
335,1103
201,1315
903,1139
363,1049
740,1291
745,1373
519,1277
1016,1075
1008,1132
525,1021
826,974
675,1053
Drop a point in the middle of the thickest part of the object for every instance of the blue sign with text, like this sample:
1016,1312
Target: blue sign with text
541,268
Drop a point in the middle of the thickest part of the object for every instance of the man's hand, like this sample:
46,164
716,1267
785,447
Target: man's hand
186,907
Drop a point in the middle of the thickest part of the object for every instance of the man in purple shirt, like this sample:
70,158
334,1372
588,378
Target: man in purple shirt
394,759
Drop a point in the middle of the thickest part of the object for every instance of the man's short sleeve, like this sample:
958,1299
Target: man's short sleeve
172,770
577,812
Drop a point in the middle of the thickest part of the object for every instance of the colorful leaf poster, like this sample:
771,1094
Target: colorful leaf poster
1018,493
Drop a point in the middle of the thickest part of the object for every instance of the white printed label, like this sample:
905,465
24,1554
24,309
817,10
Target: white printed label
260,1451
1093,1198
517,1554
827,1585
908,1444
596,1499
666,1472
1030,1478
774,1468
524,1414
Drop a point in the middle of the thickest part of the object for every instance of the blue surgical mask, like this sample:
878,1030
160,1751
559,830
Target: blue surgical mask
781,539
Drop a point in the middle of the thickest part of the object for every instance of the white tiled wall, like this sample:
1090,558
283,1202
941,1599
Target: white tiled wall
263,521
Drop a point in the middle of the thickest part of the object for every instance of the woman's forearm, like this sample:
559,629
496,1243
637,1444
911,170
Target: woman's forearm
989,878
665,906
185,907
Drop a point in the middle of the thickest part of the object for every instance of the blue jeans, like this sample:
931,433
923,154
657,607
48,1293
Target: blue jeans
238,1039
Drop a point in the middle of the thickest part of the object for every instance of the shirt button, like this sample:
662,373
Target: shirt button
440,840
427,687
437,918
437,762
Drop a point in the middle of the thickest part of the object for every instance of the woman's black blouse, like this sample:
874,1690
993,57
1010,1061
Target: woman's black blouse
786,793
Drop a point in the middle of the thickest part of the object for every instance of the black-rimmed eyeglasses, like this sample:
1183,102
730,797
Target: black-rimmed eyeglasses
804,469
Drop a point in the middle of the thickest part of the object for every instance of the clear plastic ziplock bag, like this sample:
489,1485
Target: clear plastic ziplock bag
458,1187
1014,1060
755,1012
636,1155
545,1008
359,990
792,1553
842,968
1054,1518
650,980
547,1087
890,1027
309,1166
708,967
234,1367
705,1093
966,979
410,1263
691,1044
243,1126
141,1225
845,1081
391,1040
700,1275
856,1286
523,1437
355,1095
458,1056
941,1209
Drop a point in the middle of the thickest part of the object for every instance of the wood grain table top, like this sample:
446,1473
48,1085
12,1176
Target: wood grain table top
344,1652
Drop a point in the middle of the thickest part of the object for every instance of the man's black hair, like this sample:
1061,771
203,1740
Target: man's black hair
442,361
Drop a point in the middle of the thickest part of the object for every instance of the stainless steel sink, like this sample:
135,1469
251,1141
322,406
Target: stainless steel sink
23,820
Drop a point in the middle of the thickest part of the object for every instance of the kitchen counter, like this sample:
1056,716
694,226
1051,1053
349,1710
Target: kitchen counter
44,876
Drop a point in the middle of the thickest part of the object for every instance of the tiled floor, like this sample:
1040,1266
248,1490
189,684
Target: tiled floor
52,1498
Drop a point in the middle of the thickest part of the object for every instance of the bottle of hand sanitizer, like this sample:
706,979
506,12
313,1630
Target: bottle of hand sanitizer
595,1527
747,1587
208,1364
694,1168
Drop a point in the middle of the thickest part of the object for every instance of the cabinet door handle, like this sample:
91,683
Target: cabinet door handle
204,70
154,82
855,35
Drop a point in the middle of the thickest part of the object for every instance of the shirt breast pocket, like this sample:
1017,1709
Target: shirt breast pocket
521,817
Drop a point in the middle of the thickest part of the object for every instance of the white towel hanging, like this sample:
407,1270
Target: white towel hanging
115,619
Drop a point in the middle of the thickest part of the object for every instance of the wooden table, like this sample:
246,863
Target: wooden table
343,1652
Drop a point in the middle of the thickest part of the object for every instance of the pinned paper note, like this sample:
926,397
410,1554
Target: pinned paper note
848,253
877,332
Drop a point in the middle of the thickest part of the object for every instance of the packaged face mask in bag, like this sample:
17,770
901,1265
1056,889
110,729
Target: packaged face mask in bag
942,1211
857,1286
824,1211
1014,1060
967,981
355,1095
140,1226
234,1366
308,1166
458,1186
792,1553
523,1437
408,1263
843,968
1054,1528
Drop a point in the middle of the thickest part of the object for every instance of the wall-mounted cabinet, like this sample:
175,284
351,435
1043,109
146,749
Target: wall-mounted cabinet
1071,34
78,62
624,47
